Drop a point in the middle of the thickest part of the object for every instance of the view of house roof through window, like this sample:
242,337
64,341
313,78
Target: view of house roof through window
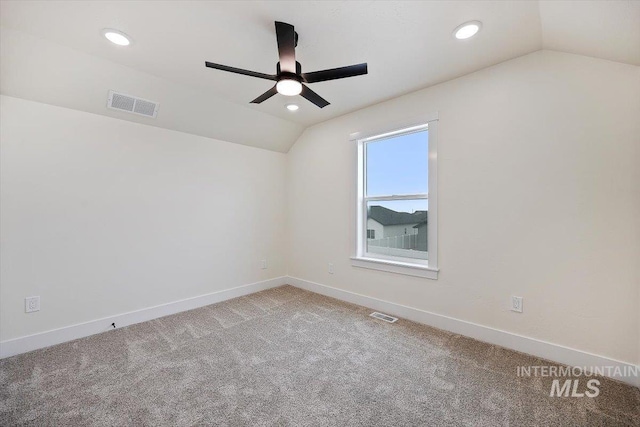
386,216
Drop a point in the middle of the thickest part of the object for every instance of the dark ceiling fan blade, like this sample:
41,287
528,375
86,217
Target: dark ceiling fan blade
335,73
240,71
268,94
313,97
286,47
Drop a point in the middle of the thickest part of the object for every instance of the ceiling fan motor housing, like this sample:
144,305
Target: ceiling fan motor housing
298,70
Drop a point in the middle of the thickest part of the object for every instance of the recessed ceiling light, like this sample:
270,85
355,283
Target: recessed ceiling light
292,107
289,87
466,30
116,37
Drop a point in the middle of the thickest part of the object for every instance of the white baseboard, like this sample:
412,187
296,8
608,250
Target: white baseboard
56,336
543,349
535,347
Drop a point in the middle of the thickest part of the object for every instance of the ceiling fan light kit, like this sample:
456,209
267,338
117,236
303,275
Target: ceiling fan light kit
289,77
289,87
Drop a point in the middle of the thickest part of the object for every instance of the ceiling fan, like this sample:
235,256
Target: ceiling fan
289,76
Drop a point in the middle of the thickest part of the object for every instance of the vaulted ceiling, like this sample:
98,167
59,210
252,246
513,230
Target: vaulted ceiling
53,52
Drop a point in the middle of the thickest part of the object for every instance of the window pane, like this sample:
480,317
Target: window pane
398,165
398,228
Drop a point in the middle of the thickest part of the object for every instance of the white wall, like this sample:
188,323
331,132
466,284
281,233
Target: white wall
539,196
101,216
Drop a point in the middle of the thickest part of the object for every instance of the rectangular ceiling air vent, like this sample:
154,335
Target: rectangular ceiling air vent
384,317
132,104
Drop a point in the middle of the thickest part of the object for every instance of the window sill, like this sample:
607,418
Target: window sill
395,267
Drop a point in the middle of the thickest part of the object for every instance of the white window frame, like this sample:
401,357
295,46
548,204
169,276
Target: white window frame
413,267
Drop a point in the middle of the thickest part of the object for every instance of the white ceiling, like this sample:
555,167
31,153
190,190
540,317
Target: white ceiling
408,45
602,29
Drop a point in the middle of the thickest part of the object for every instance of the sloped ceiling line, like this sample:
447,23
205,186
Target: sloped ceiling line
408,46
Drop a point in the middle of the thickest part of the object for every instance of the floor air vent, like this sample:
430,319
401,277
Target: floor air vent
131,104
384,317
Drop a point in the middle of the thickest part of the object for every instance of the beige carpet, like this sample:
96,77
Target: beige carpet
286,357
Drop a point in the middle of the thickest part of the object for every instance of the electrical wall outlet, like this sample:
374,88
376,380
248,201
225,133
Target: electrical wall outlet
516,304
263,264
330,268
31,304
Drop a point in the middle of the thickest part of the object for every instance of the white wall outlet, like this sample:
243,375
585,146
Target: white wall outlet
330,268
31,304
516,304
263,264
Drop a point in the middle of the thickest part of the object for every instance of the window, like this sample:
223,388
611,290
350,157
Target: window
396,213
